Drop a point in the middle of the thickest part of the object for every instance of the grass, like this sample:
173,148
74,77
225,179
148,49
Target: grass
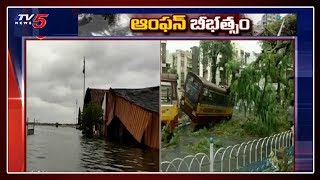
170,138
201,132
166,134
240,127
175,139
203,146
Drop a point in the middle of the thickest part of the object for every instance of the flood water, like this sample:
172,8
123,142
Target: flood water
64,149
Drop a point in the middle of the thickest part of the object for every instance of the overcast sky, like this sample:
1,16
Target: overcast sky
246,45
55,78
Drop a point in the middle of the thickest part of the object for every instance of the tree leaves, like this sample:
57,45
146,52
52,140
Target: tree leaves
256,89
92,115
211,50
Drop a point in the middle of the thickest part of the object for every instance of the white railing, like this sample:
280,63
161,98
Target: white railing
231,158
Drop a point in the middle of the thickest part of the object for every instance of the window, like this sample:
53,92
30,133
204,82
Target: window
213,98
192,89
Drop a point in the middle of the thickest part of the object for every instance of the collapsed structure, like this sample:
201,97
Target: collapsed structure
129,114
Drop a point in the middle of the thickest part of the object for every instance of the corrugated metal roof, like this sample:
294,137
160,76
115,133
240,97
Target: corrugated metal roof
138,110
147,98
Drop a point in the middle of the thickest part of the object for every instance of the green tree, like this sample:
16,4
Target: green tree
211,49
282,66
255,88
232,69
289,27
92,116
171,70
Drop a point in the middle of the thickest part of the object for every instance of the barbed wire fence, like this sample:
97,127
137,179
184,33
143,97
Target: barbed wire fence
247,156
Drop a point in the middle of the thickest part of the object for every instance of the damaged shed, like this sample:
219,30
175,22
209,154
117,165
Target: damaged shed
137,111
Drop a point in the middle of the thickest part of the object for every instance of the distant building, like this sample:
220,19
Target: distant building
169,59
240,54
195,50
182,62
205,70
268,18
163,52
245,57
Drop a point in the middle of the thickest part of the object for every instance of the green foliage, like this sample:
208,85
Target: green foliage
175,138
240,127
170,137
211,49
281,161
232,68
201,132
202,146
166,134
233,128
217,144
264,87
169,69
92,116
289,27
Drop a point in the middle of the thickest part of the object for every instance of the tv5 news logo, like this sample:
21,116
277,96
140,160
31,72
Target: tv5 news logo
37,21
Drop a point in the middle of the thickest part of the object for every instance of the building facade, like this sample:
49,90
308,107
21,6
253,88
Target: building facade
182,63
240,54
268,18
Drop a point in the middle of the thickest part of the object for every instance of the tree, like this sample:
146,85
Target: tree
210,53
289,26
79,117
232,69
80,123
92,116
282,65
284,51
255,89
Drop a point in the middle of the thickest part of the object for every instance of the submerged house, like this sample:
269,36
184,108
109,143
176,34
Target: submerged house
133,115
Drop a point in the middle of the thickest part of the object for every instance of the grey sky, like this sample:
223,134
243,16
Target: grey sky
246,45
55,78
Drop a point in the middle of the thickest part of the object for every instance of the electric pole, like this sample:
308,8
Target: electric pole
84,78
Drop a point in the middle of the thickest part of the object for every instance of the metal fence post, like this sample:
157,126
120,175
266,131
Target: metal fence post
211,154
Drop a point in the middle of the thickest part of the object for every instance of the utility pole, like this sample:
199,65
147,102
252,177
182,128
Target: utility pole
279,33
84,78
76,112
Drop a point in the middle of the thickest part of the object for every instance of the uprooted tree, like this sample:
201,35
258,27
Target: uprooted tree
265,87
